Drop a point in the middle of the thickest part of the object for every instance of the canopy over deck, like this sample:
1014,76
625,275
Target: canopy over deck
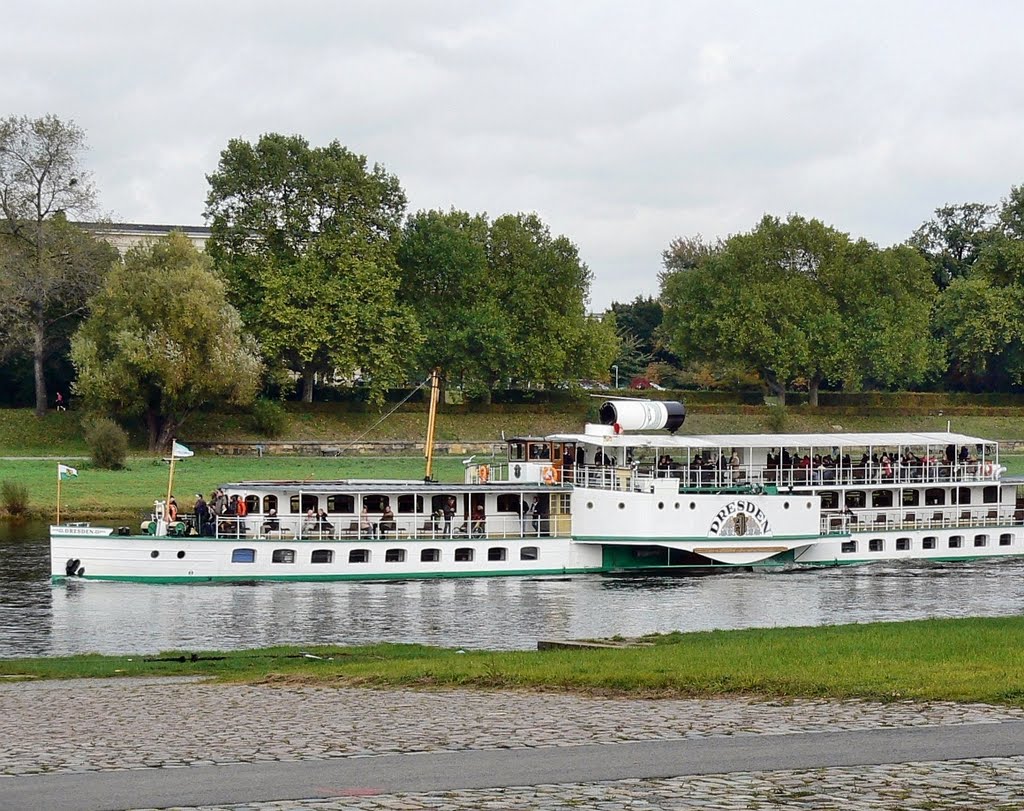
938,439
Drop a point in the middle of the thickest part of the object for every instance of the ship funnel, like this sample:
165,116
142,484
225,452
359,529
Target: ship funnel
643,415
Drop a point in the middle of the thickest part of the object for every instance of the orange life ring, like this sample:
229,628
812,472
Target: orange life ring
549,475
483,473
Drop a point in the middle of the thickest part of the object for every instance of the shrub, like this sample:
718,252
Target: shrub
107,441
777,419
268,418
14,496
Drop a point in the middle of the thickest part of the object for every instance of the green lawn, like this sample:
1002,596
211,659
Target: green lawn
930,660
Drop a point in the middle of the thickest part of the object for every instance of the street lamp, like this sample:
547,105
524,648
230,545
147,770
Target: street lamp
616,368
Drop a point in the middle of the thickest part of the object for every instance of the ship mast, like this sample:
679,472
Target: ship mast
431,422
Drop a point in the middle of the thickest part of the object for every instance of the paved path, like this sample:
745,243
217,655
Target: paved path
135,743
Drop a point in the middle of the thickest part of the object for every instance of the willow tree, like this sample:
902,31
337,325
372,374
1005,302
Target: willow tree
162,340
306,239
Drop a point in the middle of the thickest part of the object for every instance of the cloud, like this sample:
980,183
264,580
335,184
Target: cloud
623,126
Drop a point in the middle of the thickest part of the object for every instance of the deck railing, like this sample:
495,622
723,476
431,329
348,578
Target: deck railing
885,521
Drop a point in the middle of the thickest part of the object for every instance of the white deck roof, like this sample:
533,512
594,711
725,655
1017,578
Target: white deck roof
825,441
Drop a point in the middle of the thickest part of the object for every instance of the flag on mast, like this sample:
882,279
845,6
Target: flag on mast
64,472
179,451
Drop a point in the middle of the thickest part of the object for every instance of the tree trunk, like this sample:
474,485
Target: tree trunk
775,388
38,359
308,375
154,424
812,390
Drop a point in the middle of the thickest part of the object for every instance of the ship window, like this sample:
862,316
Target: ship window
341,504
849,546
963,495
463,554
911,498
269,503
283,556
928,543
1005,539
181,554
876,545
243,556
322,556
855,499
902,544
934,496
981,540
252,504
510,503
990,495
154,554
430,555
956,541
359,556
881,498
394,556
410,504
497,553
528,553
829,499
375,503
309,502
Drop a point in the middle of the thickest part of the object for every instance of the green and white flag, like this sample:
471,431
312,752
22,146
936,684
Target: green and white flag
64,472
179,451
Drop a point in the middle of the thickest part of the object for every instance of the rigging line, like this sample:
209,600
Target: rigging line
392,411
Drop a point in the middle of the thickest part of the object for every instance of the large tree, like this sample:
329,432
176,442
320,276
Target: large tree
306,239
502,301
161,340
47,267
798,299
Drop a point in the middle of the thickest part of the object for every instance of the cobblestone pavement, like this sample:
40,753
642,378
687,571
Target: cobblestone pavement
82,725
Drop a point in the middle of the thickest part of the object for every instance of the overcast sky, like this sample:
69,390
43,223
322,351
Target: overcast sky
623,125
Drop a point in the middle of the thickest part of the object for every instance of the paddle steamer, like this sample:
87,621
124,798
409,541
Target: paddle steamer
629,494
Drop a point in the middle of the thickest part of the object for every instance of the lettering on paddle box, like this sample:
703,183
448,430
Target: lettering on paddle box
740,518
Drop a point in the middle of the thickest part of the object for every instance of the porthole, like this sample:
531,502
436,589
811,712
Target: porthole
677,505
154,554
785,505
661,505
622,505
693,505
809,505
590,505
181,554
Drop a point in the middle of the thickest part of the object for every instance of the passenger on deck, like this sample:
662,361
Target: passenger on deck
322,524
387,520
535,513
365,527
309,525
449,515
272,524
202,513
478,522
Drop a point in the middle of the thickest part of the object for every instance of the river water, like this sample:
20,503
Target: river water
37,618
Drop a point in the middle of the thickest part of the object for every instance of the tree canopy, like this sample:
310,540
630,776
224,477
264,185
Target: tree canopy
796,299
306,239
161,340
501,301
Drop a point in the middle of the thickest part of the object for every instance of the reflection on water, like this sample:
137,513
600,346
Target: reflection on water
500,613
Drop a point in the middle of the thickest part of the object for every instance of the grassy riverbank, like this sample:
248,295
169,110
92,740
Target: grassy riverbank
954,659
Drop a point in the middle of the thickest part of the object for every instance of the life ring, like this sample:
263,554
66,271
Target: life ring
483,473
989,468
549,475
